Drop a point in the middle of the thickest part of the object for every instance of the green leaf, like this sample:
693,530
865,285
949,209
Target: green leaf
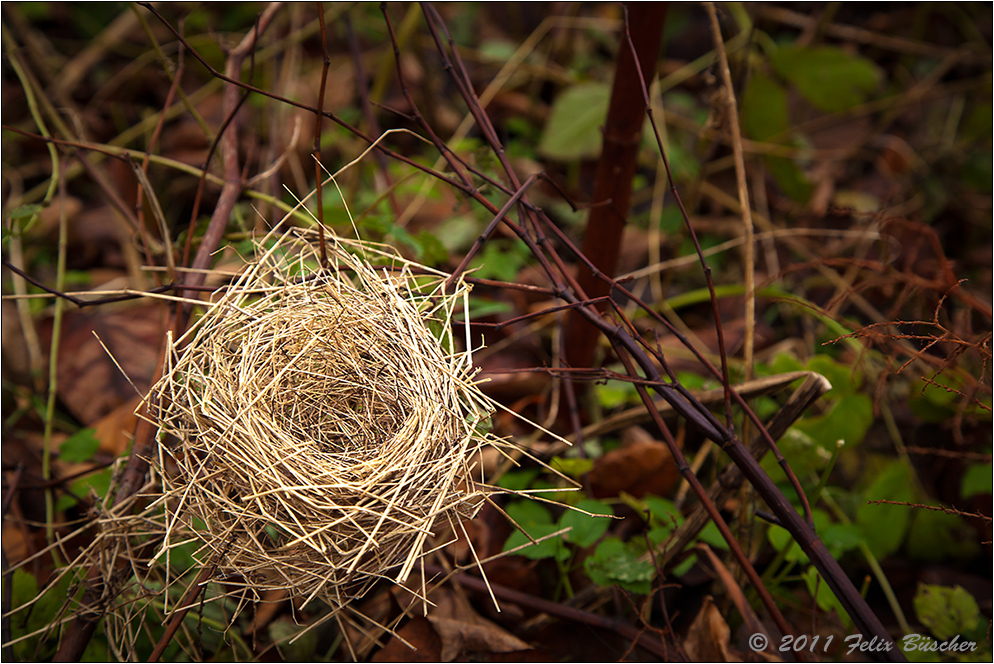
586,529
501,260
780,538
481,308
498,50
684,164
95,483
36,12
81,446
809,444
97,650
946,611
695,381
935,536
665,519
793,181
43,613
848,420
843,378
24,587
711,535
617,563
433,252
518,480
282,633
664,511
683,566
528,513
826,599
549,548
25,211
574,467
977,480
573,130
805,453
884,526
785,363
78,277
181,558
828,77
616,393
537,522
671,221
457,233
764,108
658,535
940,399
841,537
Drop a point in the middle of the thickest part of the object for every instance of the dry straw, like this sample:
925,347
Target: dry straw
317,424
320,430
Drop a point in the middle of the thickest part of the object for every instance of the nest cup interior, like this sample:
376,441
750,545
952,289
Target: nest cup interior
323,431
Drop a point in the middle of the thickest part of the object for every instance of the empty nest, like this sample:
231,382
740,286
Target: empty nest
321,424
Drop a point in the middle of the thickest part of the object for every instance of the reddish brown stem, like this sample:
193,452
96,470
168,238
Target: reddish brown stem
616,168
177,619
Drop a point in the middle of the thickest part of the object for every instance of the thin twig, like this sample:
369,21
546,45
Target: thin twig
318,177
935,508
748,249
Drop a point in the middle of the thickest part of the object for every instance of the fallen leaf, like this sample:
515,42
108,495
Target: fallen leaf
115,430
16,362
708,636
15,547
642,465
460,638
273,601
462,632
417,632
90,384
379,609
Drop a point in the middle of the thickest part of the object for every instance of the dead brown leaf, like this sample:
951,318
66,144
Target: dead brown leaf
90,385
16,361
460,630
708,636
735,592
641,465
460,637
272,603
417,632
15,546
116,428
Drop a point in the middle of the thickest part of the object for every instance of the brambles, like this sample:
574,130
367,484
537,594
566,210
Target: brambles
857,146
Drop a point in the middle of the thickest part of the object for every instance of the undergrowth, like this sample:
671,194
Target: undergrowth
866,141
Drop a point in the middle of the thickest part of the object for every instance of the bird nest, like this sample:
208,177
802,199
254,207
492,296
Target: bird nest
322,425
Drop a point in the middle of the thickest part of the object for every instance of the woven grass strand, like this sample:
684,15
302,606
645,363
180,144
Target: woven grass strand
321,425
